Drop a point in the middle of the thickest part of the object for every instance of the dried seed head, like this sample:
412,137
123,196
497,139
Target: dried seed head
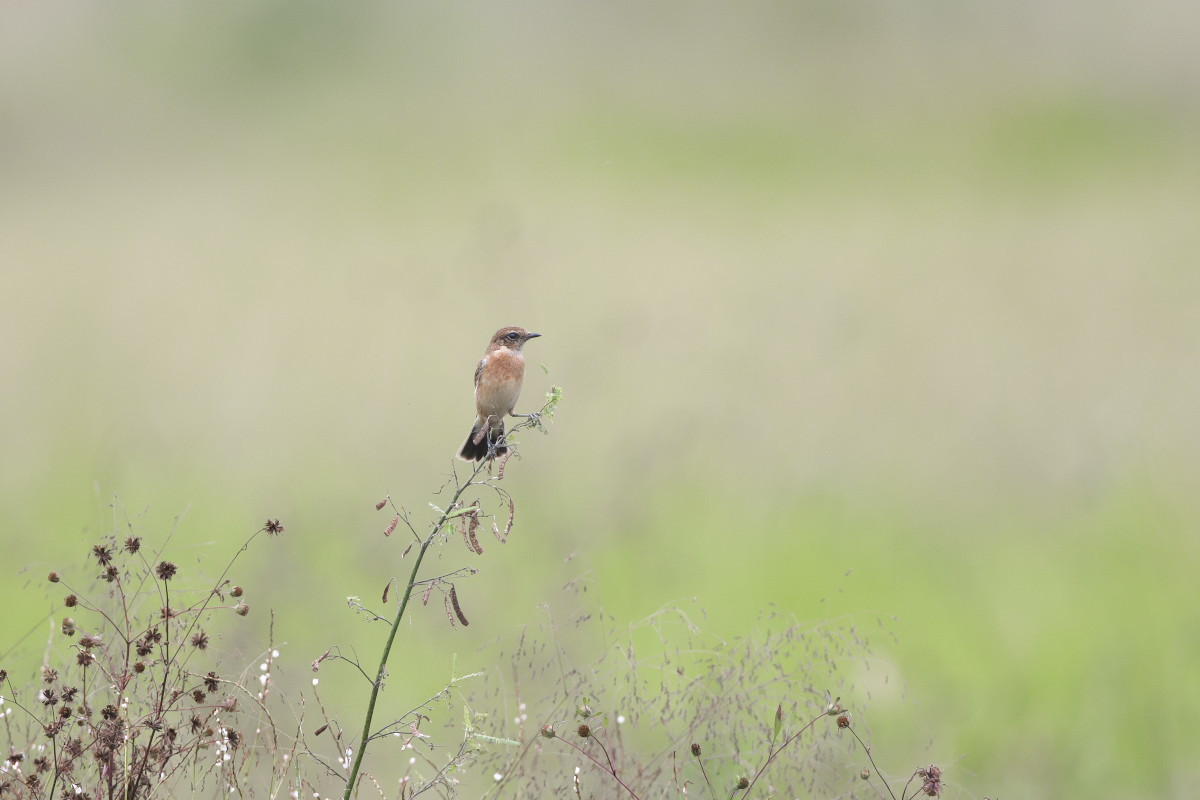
865,774
68,626
165,570
49,675
843,721
696,749
70,601
52,577
102,553
236,591
200,640
932,777
242,609
210,681
584,731
273,527
139,667
133,544
548,731
743,782
584,710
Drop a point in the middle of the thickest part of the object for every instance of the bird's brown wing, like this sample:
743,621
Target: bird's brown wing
479,369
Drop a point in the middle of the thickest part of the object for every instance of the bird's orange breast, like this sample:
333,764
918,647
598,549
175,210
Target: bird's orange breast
499,382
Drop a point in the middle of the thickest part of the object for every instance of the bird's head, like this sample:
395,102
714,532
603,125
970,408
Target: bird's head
512,337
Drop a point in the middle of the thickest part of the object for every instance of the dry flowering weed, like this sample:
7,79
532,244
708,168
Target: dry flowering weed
131,702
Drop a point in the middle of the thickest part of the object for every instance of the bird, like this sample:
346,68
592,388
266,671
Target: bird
498,381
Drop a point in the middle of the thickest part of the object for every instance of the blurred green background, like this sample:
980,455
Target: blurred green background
907,290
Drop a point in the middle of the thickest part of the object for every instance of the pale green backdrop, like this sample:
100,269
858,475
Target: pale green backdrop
860,309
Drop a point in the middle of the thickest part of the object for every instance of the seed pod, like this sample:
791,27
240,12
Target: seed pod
458,612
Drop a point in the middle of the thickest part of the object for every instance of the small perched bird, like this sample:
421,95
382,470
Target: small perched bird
498,381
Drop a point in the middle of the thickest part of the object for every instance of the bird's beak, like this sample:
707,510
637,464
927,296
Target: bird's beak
532,335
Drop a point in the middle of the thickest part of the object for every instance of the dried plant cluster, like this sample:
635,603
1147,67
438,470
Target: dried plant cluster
130,703
661,709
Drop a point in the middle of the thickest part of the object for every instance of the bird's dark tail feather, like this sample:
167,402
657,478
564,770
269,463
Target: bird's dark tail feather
476,446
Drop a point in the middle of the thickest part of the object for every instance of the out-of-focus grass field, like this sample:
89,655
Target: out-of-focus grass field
907,291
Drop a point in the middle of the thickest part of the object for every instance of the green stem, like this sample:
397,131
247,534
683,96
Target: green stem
387,648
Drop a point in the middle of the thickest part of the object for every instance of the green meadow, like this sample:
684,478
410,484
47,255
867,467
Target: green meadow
887,316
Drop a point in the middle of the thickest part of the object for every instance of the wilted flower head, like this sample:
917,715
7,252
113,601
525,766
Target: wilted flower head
932,777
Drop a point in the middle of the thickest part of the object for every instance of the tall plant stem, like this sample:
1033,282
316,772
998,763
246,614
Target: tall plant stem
377,684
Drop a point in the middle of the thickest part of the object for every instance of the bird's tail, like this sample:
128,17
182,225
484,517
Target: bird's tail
476,446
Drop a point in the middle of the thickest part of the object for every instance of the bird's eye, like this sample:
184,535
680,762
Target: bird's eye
513,336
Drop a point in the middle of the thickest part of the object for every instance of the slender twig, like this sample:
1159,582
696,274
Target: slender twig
711,791
871,758
780,749
603,767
